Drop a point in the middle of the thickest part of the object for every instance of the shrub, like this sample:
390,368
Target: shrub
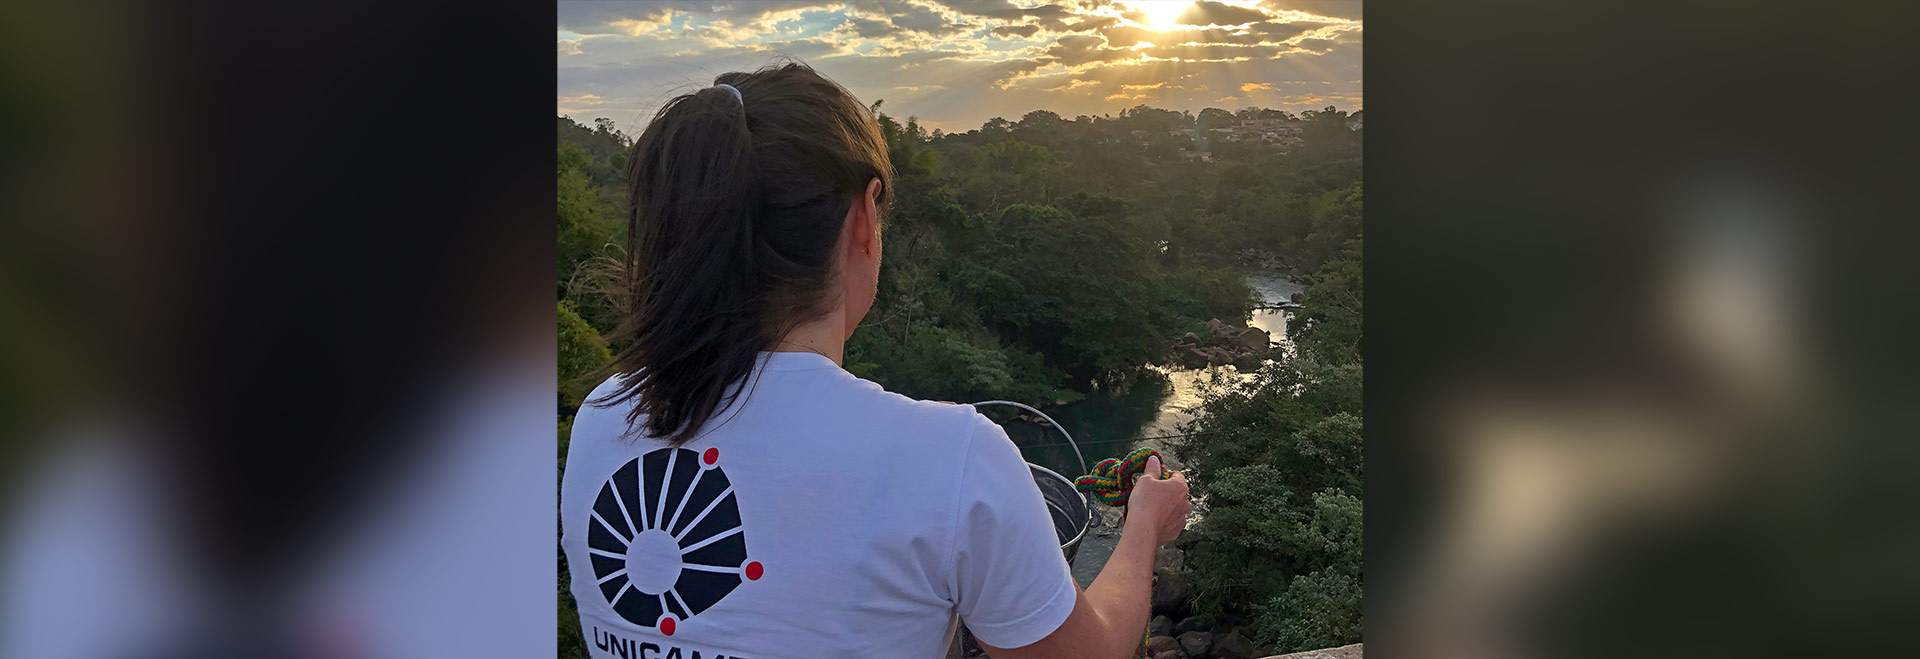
582,353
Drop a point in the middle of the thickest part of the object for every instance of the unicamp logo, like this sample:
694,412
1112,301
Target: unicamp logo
665,538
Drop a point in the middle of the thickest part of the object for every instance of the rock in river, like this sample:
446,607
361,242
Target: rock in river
1254,338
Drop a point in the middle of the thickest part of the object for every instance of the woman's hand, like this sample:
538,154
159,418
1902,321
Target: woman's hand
1159,503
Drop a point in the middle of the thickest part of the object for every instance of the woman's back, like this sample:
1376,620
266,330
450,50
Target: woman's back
815,514
819,516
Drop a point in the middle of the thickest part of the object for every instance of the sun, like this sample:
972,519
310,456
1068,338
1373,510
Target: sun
1161,13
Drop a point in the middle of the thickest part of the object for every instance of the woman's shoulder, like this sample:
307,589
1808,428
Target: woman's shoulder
934,412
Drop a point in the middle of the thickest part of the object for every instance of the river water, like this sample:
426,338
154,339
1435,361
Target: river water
1113,423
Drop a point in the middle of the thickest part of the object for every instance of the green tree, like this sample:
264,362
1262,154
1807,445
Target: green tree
1074,290
1329,321
582,354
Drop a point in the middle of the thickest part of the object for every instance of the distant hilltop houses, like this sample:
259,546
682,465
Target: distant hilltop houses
1279,129
1203,136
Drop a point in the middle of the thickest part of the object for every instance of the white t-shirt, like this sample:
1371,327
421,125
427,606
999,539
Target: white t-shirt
821,517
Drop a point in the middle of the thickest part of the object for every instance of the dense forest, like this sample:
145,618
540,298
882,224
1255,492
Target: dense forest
1046,258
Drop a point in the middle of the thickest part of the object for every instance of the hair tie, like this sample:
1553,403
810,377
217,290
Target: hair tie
736,93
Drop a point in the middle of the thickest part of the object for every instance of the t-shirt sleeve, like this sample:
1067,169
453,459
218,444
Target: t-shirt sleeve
1012,583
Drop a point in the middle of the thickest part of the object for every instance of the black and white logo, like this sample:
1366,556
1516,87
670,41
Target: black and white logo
665,538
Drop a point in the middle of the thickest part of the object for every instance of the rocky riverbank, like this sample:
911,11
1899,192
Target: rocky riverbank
1175,633
1243,347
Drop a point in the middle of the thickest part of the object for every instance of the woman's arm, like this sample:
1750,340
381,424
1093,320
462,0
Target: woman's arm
1110,615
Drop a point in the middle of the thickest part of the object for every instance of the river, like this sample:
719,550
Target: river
1113,423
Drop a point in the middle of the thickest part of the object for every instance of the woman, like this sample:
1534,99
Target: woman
732,492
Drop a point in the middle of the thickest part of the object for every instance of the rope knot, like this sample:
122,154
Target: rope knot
1112,479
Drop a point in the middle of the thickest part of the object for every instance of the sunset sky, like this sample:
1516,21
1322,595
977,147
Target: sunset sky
956,63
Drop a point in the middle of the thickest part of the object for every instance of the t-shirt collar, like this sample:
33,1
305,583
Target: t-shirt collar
795,361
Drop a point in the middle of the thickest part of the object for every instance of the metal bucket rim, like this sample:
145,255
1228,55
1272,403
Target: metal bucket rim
1083,502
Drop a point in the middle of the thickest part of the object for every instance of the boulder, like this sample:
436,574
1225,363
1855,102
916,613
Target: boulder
1170,654
1160,626
1191,356
1169,559
1190,339
1159,644
1248,362
1195,644
1215,326
1219,356
1232,646
1193,624
1254,338
1172,595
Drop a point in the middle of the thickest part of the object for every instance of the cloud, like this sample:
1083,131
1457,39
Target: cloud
921,18
1315,45
1094,23
1281,31
1078,49
1347,9
1213,52
1124,36
1270,32
931,58
1208,12
870,28
598,18
1006,10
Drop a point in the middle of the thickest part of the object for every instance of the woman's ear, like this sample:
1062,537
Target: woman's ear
867,218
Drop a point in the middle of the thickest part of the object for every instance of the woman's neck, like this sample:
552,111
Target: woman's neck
825,336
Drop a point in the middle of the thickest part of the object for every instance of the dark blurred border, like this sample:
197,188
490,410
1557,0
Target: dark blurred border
1641,379
262,242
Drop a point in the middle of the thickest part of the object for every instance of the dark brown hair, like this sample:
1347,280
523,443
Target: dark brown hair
737,204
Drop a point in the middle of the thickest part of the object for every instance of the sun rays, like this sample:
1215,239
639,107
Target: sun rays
1161,14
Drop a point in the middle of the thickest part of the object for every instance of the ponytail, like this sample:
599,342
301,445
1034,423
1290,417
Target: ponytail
738,193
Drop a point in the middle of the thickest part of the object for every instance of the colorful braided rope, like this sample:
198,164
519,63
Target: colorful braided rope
1112,480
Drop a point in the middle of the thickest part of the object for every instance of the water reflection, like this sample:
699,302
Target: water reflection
1146,412
1112,423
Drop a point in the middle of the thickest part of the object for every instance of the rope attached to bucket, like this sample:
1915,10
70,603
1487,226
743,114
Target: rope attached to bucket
1112,479
1112,482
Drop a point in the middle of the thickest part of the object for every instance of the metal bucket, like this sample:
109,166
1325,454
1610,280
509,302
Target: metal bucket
1067,507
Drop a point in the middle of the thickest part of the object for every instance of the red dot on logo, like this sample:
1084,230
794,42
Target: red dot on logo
754,571
666,625
711,456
